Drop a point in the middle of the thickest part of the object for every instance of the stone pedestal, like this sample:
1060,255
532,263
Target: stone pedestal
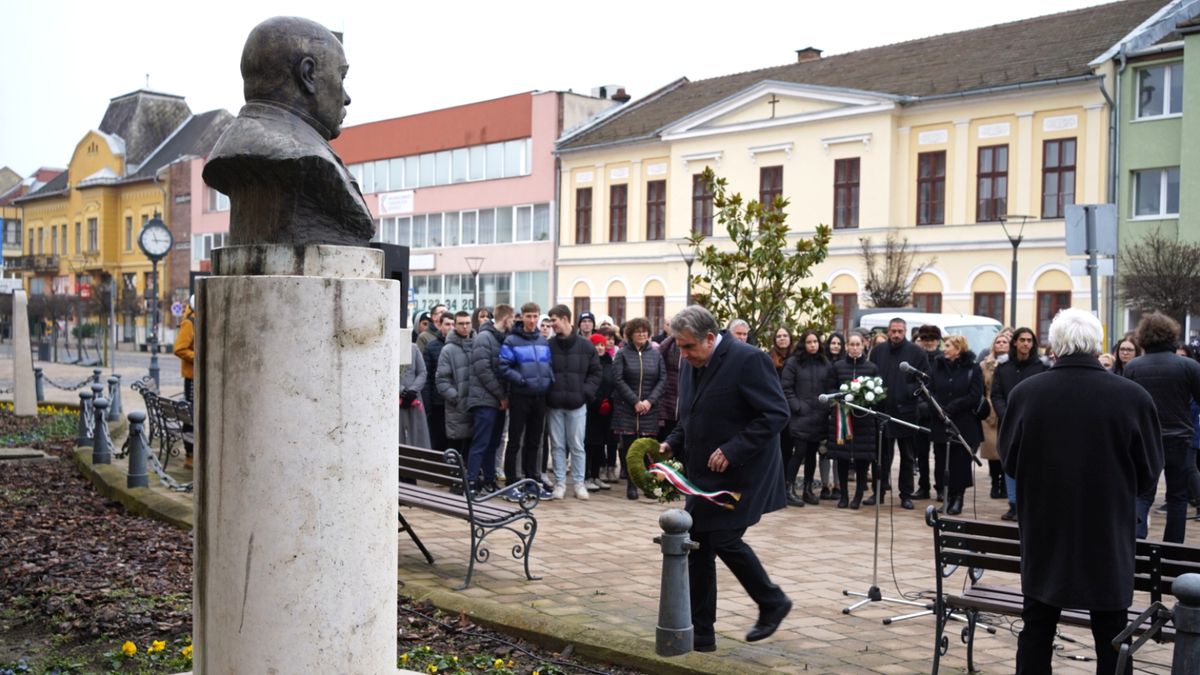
24,394
297,376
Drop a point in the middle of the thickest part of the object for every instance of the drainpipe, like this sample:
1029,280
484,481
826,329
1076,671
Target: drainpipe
1114,153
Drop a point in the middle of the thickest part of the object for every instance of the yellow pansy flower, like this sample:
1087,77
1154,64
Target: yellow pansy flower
157,646
187,651
128,649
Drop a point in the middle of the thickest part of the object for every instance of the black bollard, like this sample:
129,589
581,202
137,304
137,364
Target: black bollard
114,398
96,375
39,387
101,453
85,419
97,391
674,634
1186,589
137,452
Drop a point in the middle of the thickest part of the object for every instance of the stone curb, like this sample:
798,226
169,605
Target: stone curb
110,482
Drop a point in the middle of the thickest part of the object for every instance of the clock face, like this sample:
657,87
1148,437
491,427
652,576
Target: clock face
155,240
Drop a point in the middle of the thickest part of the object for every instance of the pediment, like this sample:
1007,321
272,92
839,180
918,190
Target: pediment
771,103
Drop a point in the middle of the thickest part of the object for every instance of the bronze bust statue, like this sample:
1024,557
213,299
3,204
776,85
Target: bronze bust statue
285,183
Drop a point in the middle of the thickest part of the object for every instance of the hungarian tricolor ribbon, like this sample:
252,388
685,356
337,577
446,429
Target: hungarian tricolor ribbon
682,484
843,427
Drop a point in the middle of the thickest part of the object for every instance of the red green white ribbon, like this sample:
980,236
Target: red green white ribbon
672,476
843,427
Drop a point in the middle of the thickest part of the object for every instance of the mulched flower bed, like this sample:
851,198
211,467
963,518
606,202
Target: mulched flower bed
79,576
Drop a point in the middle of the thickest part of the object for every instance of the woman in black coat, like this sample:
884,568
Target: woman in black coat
598,436
957,386
862,449
640,377
782,347
804,378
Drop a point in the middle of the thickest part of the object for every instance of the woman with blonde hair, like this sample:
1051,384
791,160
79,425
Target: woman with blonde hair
987,449
957,386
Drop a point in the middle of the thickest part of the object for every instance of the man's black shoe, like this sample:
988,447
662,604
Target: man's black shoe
768,622
906,503
705,647
1010,514
869,501
922,494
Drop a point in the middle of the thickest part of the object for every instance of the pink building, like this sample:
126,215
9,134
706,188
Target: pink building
470,189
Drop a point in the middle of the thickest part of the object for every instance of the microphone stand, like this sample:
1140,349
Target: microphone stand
873,593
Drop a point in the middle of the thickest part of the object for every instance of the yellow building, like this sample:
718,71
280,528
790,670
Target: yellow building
81,228
933,140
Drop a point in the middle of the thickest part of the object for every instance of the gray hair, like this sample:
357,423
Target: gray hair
737,323
1075,331
696,320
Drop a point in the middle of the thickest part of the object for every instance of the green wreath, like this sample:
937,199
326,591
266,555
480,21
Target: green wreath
635,462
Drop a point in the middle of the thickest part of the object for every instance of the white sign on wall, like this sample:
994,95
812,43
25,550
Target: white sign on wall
618,174
933,137
656,169
396,203
996,130
583,177
1060,123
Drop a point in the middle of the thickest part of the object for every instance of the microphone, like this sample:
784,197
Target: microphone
904,366
826,399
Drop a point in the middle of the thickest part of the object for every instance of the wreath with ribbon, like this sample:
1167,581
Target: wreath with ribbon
664,478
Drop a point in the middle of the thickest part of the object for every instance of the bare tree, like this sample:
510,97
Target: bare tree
889,281
1161,273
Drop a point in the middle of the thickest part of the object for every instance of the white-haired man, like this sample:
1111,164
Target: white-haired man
1072,433
739,329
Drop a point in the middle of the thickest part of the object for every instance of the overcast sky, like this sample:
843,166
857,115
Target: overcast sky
65,60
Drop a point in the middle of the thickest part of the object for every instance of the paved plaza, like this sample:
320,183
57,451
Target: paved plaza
600,579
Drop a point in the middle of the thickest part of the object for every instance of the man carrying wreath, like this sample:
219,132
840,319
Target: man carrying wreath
731,410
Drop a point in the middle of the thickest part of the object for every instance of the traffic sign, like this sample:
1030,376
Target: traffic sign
85,291
177,308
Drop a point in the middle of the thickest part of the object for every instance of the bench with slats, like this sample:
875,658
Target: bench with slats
485,513
982,546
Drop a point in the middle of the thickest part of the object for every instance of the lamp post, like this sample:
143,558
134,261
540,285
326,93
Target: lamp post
1015,240
475,263
155,241
689,257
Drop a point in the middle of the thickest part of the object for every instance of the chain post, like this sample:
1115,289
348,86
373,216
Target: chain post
85,420
39,386
137,452
674,634
114,398
101,452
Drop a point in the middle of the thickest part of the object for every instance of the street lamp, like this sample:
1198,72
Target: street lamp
1015,240
155,241
689,257
475,263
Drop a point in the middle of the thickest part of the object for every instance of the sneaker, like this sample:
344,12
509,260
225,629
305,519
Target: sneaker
512,495
605,486
500,476
1010,514
591,484
560,491
581,492
547,480
541,492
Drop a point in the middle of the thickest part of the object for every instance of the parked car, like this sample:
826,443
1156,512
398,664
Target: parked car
979,330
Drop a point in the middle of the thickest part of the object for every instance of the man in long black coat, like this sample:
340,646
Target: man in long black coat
731,410
901,403
1074,433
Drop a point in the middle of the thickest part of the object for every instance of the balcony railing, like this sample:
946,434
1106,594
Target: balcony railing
32,263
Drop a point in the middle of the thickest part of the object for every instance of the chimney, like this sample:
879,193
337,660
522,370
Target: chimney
807,54
621,96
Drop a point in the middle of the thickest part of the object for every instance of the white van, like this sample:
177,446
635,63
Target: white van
979,330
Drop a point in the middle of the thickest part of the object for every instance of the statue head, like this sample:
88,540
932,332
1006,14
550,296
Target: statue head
300,64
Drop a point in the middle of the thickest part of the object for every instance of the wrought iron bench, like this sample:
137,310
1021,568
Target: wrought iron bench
484,513
169,419
983,546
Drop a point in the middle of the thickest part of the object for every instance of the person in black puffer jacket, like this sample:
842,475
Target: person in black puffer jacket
576,377
598,437
805,377
1023,363
957,386
641,378
862,449
487,397
435,406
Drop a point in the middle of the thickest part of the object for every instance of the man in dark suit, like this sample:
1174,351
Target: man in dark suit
1070,434
901,403
731,410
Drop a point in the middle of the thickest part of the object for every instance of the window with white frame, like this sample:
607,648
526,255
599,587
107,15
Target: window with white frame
203,244
217,201
1156,192
506,224
491,161
1160,90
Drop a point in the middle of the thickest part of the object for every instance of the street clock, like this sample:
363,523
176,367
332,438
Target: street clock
155,239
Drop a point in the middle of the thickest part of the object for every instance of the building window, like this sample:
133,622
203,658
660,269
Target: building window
217,201
490,161
580,305
128,233
845,193
991,188
702,206
656,210
203,244
78,237
583,216
990,305
40,240
53,240
93,235
656,313
928,302
770,185
616,309
931,188
12,233
1160,90
1058,177
63,231
1048,305
844,305
618,212
30,239
1156,192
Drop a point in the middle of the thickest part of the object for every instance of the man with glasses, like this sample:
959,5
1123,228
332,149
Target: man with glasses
901,403
1023,363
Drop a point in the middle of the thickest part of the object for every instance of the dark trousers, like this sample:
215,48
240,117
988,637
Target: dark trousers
702,577
861,467
954,467
995,469
436,415
526,422
906,465
921,444
189,395
594,454
1177,458
489,428
786,446
804,452
1035,645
